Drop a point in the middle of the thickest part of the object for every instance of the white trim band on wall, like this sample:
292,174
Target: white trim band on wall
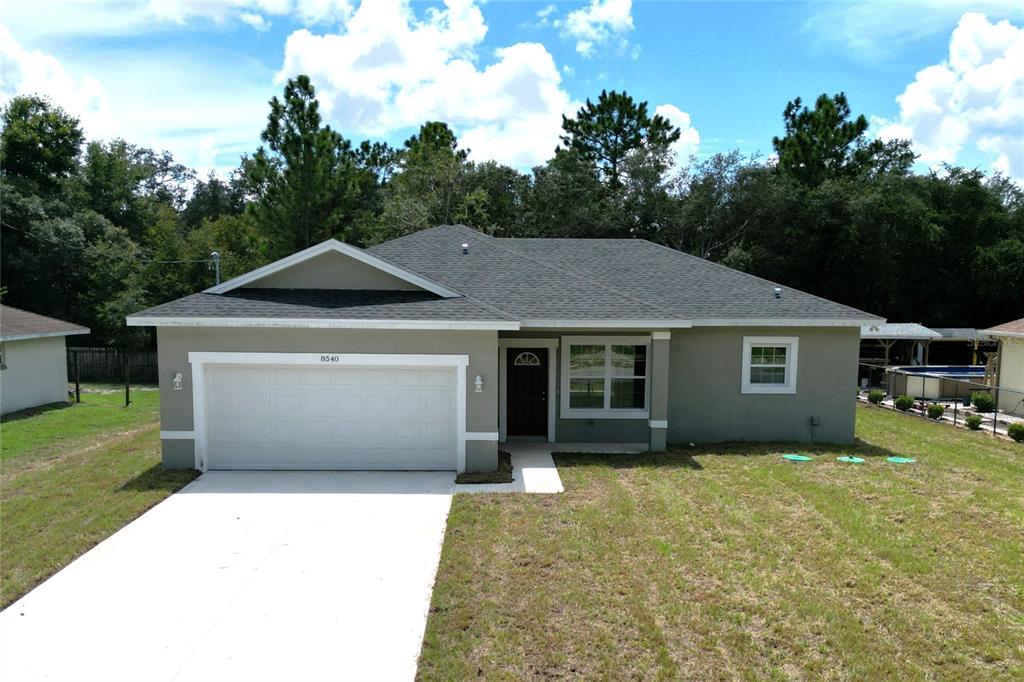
658,423
483,435
661,336
177,435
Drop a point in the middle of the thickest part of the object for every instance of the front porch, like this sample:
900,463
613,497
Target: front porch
570,388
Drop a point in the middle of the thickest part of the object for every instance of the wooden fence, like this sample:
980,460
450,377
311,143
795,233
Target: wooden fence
106,365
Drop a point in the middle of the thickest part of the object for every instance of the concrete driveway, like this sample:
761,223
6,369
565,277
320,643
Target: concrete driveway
246,576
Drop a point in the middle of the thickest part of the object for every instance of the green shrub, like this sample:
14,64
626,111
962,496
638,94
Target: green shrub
935,411
1016,431
983,402
973,422
875,396
904,403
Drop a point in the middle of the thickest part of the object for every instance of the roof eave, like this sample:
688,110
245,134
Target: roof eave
43,335
317,323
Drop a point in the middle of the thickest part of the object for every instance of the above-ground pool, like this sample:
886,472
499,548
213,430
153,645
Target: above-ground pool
935,382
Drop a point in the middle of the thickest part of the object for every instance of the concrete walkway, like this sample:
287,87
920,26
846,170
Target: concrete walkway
245,576
534,470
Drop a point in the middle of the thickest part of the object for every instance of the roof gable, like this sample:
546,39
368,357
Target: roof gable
334,265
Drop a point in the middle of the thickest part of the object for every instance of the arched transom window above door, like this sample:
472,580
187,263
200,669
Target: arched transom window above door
526,359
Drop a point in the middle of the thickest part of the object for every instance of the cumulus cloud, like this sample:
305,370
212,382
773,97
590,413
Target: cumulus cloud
689,138
599,23
148,99
25,71
388,70
974,99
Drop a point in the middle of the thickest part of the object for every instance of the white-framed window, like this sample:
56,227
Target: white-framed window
769,364
605,377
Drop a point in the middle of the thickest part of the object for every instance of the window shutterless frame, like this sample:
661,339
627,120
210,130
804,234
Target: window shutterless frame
750,343
606,375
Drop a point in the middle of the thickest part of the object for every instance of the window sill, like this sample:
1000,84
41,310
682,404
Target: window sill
769,390
604,414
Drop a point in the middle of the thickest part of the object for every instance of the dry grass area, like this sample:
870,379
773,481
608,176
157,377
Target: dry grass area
729,562
72,476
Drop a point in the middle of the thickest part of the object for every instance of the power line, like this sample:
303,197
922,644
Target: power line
136,260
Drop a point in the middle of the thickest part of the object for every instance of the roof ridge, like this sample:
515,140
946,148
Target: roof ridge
757,277
580,276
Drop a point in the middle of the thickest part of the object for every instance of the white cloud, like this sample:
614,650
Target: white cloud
973,101
599,23
154,99
873,30
256,21
49,19
689,138
387,70
34,72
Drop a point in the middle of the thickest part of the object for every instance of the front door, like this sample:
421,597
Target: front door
527,398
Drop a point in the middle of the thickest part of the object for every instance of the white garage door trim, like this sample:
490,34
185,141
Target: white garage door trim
199,360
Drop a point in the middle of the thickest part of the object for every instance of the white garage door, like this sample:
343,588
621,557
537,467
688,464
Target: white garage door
288,417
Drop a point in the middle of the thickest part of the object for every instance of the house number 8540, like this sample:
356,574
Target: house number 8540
330,358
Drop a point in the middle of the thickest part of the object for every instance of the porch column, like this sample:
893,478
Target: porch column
659,390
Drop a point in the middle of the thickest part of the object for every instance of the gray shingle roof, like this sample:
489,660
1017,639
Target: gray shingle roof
600,279
324,304
16,323
532,281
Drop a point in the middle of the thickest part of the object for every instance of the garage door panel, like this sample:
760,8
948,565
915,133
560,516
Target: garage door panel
270,417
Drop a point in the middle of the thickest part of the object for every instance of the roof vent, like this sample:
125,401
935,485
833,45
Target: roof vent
465,248
778,292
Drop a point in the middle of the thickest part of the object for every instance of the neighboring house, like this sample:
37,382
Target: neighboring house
33,359
1011,365
426,351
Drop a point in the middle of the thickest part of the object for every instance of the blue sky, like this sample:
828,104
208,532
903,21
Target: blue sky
194,77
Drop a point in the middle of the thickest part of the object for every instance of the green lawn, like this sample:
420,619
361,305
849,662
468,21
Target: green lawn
730,563
101,412
71,476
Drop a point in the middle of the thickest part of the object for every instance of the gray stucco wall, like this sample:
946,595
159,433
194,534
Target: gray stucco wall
706,403
36,373
175,343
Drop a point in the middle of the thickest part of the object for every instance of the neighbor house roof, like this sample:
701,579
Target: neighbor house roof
560,282
959,334
898,330
17,324
1015,328
511,283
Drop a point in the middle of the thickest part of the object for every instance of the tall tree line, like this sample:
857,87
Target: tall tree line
93,231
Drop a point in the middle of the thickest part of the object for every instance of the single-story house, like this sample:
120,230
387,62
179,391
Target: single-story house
33,359
427,351
1011,365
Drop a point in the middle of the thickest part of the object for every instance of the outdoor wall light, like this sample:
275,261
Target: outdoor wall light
177,381
479,384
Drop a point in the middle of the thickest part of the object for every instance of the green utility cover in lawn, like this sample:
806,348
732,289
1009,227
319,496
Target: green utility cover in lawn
851,460
900,460
797,458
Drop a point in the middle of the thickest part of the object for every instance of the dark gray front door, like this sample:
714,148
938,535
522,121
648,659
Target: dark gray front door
527,398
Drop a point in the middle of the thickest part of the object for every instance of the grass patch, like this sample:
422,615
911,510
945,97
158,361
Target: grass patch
49,427
73,476
728,562
502,475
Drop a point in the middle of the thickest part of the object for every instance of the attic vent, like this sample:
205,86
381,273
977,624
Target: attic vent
465,248
778,292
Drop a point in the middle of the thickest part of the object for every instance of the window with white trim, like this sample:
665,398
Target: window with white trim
769,364
605,377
